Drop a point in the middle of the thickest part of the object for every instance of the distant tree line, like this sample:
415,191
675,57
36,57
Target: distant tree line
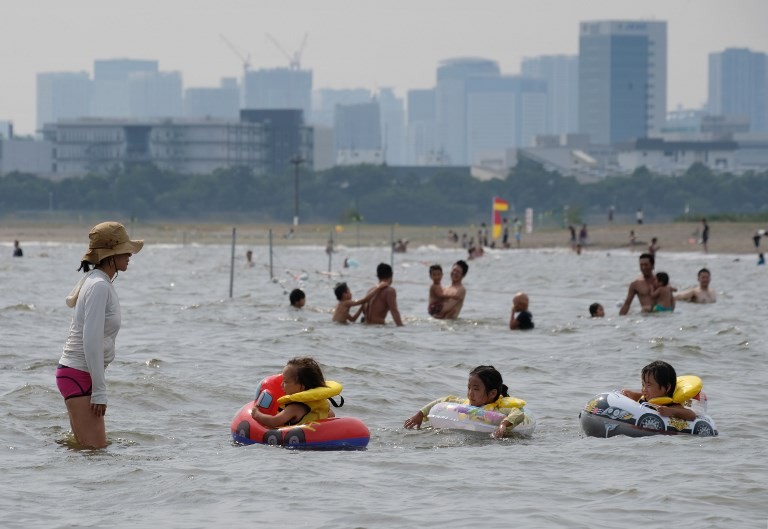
382,194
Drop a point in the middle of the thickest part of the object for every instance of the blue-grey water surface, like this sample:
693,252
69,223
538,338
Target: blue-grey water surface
188,357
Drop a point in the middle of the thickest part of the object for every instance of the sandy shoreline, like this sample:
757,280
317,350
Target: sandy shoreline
733,238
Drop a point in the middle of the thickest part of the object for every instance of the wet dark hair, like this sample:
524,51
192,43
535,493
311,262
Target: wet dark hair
663,373
463,265
308,372
649,257
434,267
296,295
663,278
339,290
491,379
702,271
593,308
383,271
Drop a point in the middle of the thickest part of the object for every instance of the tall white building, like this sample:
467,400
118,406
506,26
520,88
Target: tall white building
622,79
561,72
392,126
421,142
62,95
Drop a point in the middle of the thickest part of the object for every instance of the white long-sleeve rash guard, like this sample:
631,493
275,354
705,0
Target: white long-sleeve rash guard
91,343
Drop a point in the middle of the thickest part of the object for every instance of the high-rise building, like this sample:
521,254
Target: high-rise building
286,136
421,141
392,114
503,112
278,88
217,102
738,85
62,95
561,72
112,90
357,133
324,102
155,95
450,104
622,79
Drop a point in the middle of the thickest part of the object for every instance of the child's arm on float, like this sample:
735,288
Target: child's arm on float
634,395
677,410
292,413
418,418
513,418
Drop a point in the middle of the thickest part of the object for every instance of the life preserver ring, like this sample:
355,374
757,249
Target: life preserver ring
335,433
465,417
611,414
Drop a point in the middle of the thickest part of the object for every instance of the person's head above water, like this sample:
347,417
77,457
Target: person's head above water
297,298
384,271
647,262
659,380
596,310
485,385
340,290
662,278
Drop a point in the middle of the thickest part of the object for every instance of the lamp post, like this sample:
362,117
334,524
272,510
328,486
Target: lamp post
297,160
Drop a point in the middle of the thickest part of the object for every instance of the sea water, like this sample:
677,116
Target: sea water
189,355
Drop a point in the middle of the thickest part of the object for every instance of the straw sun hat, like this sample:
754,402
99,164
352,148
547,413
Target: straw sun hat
107,239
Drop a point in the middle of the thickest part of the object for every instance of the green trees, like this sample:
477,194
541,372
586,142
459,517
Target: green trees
382,194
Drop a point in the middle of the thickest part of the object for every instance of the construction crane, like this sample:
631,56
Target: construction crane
294,61
246,59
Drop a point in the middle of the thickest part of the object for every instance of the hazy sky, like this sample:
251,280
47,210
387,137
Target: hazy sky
351,43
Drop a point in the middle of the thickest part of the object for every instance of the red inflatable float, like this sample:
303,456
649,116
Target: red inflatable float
335,433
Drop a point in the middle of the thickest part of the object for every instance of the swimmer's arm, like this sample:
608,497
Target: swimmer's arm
634,395
627,302
369,296
418,418
392,303
687,295
356,315
513,418
292,413
677,410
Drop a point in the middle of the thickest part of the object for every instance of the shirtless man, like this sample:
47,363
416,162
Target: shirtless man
383,301
642,286
701,293
455,293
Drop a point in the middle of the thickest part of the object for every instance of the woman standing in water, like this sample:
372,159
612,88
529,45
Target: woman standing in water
90,346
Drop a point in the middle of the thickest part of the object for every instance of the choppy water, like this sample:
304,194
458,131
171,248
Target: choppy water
188,357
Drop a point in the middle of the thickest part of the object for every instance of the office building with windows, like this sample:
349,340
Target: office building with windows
62,95
622,79
738,86
278,88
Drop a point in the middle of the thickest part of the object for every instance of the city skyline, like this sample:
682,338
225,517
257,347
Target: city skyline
360,44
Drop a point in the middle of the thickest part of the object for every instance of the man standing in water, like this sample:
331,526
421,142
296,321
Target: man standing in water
701,293
452,306
642,286
384,301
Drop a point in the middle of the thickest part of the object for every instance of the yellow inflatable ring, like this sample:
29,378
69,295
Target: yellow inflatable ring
331,389
687,387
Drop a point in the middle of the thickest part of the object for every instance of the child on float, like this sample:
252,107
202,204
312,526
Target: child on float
485,389
299,374
659,379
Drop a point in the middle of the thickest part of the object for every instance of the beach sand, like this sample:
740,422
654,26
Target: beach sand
735,238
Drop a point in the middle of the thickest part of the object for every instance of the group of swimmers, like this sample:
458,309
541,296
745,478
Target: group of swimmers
485,389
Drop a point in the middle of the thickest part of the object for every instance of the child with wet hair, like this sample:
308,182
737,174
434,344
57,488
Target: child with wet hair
663,295
299,374
485,389
659,379
344,295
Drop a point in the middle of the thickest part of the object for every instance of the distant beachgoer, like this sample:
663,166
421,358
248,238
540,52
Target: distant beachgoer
249,258
641,287
524,319
464,242
653,247
484,234
384,301
760,259
663,294
632,240
329,247
453,295
297,298
90,346
573,236
400,246
289,235
610,214
17,252
596,310
475,251
518,231
583,235
704,234
505,233
344,295
639,215
757,236
701,293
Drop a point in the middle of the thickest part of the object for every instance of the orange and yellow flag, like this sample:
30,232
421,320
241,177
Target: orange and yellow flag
498,205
